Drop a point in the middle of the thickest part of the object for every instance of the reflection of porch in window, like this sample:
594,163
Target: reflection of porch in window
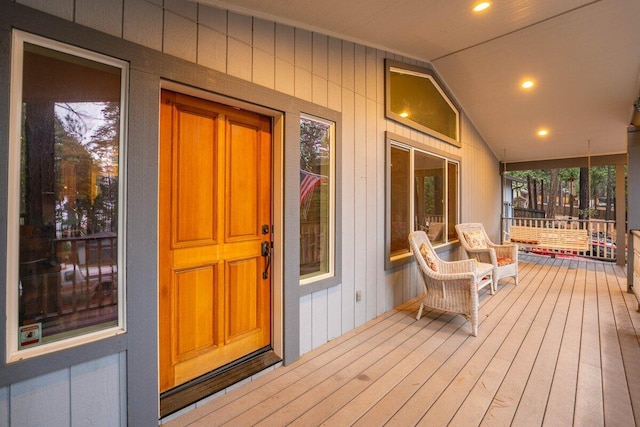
75,289
313,222
312,240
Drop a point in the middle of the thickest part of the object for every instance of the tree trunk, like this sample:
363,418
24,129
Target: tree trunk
608,195
583,204
572,198
571,203
553,192
541,195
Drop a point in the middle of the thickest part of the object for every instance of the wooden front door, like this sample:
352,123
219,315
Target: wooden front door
214,235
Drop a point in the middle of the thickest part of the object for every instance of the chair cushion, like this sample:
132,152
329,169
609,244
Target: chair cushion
504,261
429,256
475,239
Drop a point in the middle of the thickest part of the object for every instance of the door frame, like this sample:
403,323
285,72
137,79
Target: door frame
277,277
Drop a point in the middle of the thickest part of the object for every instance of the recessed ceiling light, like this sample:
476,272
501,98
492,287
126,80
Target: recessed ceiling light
527,84
404,114
481,6
543,132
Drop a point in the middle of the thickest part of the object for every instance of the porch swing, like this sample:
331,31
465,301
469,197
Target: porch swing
543,235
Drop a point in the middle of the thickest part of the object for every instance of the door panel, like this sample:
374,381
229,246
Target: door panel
194,163
243,182
242,315
194,296
215,196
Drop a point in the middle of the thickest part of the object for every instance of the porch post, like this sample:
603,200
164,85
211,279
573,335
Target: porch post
633,193
620,215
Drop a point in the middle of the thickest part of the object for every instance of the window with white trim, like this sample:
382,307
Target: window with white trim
317,199
422,191
66,210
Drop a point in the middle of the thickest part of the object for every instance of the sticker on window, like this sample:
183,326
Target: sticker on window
30,335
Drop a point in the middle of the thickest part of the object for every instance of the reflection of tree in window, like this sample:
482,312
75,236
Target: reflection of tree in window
86,168
314,148
315,159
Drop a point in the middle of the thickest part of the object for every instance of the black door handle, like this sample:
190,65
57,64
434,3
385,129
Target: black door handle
266,252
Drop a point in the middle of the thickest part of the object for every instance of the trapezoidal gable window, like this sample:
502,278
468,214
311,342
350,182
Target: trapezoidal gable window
65,212
422,188
416,98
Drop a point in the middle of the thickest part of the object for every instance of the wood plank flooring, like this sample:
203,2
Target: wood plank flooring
560,349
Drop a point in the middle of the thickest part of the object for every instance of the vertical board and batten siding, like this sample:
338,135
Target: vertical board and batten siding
92,393
341,75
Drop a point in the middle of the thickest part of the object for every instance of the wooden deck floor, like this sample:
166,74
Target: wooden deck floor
560,349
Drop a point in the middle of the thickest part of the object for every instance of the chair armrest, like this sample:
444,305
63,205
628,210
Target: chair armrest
479,250
506,251
458,267
487,255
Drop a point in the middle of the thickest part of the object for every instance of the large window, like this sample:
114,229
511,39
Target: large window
422,194
65,278
317,198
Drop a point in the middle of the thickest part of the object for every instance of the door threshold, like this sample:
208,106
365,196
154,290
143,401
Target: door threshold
197,389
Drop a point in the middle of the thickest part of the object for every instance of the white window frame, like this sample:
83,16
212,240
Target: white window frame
13,354
332,202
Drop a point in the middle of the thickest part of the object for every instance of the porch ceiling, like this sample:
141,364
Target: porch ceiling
582,54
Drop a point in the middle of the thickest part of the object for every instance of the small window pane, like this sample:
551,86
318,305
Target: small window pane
316,198
429,195
400,190
69,210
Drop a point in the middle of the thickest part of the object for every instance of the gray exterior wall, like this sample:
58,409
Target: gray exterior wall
276,66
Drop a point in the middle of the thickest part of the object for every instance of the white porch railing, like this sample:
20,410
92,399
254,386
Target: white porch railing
602,242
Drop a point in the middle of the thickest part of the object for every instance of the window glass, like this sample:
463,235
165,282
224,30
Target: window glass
415,97
316,198
69,212
429,207
399,206
452,199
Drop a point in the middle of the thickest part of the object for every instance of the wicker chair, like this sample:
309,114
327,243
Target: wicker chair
476,243
449,285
